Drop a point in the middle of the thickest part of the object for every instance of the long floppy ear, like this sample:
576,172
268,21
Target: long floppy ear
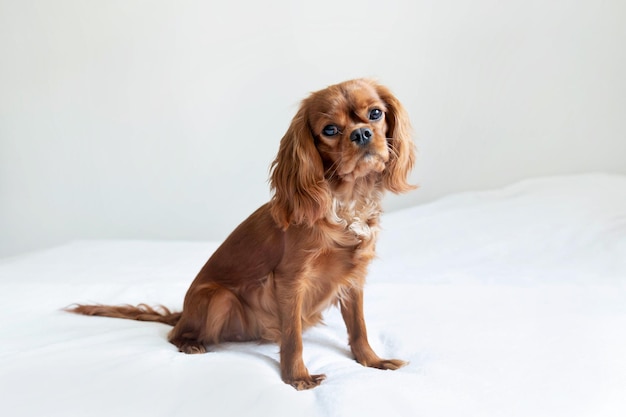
401,146
301,193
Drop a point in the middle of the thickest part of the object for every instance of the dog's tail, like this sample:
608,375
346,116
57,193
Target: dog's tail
142,312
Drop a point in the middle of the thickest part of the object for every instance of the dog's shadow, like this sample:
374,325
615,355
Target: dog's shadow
269,353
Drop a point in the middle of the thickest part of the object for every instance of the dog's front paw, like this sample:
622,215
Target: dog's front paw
391,364
305,382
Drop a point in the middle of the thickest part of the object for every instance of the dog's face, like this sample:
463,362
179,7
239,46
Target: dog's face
356,131
349,126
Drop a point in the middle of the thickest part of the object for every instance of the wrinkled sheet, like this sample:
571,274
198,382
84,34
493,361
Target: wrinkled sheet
509,302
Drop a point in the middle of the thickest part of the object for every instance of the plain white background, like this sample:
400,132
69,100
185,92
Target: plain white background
154,119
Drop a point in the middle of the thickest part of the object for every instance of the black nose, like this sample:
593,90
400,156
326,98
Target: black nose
361,136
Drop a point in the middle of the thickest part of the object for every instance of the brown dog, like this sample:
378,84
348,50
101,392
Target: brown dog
310,246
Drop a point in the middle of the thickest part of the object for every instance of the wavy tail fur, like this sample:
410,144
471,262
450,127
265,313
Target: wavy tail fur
142,312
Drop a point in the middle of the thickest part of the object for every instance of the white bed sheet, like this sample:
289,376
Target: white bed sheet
506,303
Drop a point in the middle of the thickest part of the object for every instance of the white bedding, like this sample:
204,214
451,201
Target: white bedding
506,303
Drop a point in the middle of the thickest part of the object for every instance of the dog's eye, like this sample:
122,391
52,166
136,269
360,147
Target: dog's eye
376,114
330,130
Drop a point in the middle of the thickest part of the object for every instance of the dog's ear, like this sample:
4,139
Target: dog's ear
301,193
401,146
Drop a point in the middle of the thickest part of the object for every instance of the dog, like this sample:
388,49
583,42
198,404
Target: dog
309,247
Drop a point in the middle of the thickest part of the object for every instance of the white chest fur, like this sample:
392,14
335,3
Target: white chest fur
360,221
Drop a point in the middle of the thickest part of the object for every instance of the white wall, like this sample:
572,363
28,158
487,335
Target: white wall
159,119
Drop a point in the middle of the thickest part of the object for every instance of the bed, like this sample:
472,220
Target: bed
510,302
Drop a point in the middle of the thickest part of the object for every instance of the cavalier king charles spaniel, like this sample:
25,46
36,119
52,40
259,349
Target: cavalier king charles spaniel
309,247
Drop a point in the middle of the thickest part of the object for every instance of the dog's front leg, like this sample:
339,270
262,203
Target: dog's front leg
352,312
292,367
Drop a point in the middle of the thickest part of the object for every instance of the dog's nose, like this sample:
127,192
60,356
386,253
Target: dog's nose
361,136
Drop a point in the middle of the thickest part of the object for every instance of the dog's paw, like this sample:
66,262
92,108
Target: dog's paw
192,348
391,364
306,382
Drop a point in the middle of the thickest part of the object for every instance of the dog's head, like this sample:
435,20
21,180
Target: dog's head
348,132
